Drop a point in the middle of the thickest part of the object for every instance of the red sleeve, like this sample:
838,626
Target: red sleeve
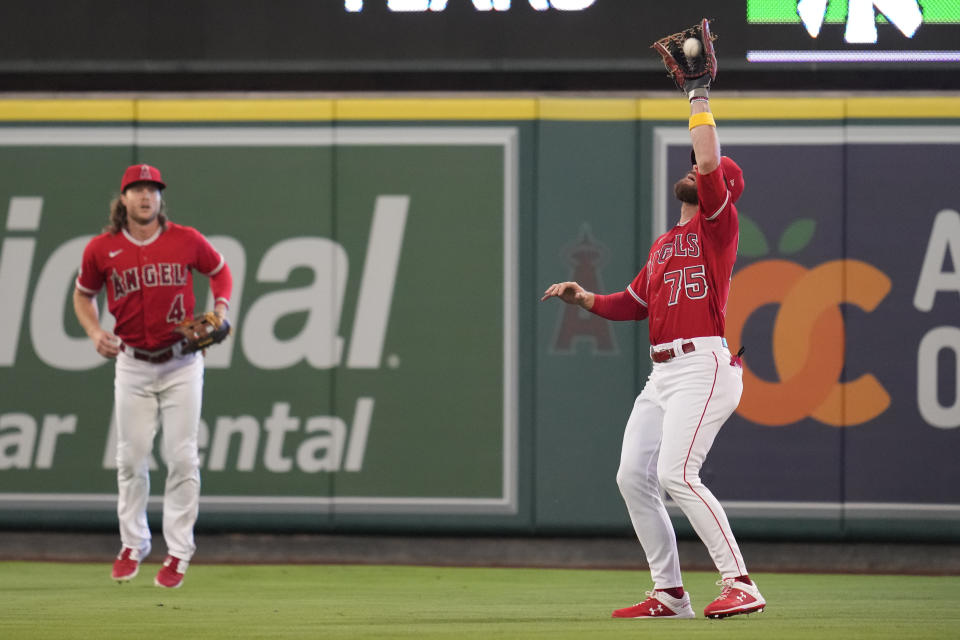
713,193
90,278
629,304
618,306
212,264
222,285
207,260
716,207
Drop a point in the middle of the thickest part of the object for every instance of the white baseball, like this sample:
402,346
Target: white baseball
691,47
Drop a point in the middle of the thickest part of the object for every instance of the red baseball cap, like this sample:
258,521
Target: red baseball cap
733,176
141,173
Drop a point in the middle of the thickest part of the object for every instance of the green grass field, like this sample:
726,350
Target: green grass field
57,600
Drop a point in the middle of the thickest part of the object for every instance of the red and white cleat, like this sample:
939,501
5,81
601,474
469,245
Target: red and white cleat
171,573
658,605
736,598
126,566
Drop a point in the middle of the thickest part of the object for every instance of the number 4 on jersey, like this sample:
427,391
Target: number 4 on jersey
177,313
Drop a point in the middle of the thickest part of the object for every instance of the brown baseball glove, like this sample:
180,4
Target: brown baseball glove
689,73
202,331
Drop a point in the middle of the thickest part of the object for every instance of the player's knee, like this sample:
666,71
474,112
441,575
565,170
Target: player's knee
130,465
633,479
621,478
184,467
673,481
132,474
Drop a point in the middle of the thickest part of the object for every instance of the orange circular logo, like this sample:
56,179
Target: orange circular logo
809,341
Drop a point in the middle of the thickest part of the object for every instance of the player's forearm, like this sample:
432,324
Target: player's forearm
618,306
703,135
87,313
221,285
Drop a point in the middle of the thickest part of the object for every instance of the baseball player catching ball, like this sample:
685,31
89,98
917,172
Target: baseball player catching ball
695,382
145,262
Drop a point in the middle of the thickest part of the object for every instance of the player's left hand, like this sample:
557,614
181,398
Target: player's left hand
203,331
689,73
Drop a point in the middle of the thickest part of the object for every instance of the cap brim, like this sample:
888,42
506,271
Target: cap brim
130,184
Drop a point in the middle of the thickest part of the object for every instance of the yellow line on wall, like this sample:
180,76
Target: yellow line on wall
436,109
932,107
234,110
530,108
748,108
779,108
66,110
593,109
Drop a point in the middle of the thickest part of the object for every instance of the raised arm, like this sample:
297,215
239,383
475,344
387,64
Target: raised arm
691,62
703,135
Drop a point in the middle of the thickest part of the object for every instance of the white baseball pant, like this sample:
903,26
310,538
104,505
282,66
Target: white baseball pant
146,396
668,435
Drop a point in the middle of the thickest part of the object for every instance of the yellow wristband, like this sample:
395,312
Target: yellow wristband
700,119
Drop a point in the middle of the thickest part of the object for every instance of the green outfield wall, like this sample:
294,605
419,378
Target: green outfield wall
392,368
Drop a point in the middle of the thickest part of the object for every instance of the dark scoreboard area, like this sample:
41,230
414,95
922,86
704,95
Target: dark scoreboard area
464,45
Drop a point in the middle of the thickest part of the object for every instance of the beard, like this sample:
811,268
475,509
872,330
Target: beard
685,191
141,217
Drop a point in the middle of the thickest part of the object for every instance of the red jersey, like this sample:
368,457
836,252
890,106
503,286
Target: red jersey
683,288
149,283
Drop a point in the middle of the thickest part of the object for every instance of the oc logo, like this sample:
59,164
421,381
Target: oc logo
808,341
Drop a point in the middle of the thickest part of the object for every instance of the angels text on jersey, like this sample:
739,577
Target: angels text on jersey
163,274
684,245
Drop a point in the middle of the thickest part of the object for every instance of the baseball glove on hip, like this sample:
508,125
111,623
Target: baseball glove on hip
688,72
202,331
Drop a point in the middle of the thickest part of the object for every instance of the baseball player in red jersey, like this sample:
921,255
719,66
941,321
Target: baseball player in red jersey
146,263
695,383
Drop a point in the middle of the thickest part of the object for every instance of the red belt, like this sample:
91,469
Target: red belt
665,355
156,357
